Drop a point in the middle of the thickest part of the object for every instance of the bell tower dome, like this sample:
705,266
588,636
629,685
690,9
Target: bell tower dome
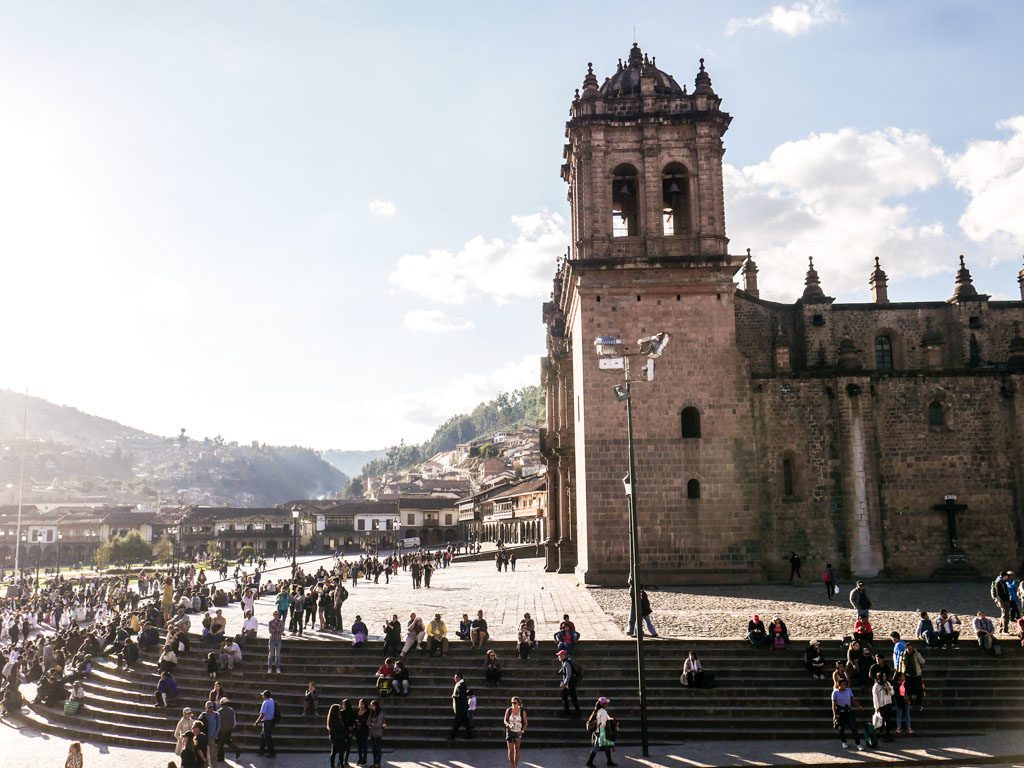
644,165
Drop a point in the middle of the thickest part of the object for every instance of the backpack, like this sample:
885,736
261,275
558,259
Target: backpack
591,724
344,592
277,712
577,673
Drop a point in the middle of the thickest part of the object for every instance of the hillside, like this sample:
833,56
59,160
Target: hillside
58,423
507,411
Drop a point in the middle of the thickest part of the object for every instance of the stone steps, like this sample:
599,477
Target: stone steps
768,692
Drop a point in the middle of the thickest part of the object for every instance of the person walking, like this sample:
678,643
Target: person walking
227,728
210,721
268,716
842,713
645,613
568,680
794,566
460,708
184,726
377,726
515,727
74,759
598,726
860,601
829,577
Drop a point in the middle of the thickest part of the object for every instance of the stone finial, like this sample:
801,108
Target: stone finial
636,56
750,276
964,288
1020,282
812,288
703,82
879,283
590,81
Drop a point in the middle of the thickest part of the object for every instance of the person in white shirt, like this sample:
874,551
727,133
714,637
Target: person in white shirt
693,671
250,625
230,654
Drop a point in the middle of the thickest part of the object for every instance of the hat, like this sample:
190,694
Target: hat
604,701
813,642
187,711
224,700
562,654
209,705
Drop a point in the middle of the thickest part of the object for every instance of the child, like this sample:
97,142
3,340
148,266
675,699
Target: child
212,665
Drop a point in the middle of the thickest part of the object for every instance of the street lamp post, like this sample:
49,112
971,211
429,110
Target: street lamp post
60,537
613,356
295,537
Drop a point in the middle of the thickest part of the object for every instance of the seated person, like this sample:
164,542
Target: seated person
863,632
230,654
693,671
78,694
478,630
531,627
310,700
385,673
566,636
393,636
756,633
985,630
814,661
168,660
840,674
49,689
166,690
926,630
359,632
492,668
129,654
464,628
948,629
250,625
437,636
218,626
148,637
414,635
524,643
401,678
778,633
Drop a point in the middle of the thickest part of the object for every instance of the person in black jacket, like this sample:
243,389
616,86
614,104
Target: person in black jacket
756,633
460,706
794,566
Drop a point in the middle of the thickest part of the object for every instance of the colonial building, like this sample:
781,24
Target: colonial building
516,513
835,430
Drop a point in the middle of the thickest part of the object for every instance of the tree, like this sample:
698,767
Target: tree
213,548
130,548
246,552
354,489
164,549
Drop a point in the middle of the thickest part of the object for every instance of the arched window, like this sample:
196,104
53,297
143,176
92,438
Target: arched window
788,476
675,200
883,352
625,219
691,422
693,489
936,415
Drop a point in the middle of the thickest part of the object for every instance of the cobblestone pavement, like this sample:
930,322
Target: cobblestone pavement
28,746
723,612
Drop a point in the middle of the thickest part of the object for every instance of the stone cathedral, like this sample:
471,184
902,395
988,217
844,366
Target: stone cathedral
886,438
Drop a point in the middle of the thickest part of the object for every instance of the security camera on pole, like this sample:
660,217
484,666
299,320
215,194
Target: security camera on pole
613,356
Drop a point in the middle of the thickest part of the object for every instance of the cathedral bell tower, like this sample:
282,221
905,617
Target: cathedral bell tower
649,253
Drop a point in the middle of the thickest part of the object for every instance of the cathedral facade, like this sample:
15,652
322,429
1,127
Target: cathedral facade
886,438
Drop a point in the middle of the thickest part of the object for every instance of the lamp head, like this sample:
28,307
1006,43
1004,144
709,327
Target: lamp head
621,392
654,345
608,346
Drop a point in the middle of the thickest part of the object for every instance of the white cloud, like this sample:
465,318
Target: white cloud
435,321
792,20
992,174
843,198
383,208
501,270
414,416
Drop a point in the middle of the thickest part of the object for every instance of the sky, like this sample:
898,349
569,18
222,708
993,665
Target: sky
333,224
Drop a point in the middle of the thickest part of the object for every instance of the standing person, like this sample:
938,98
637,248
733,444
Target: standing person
1001,597
74,759
361,730
227,728
842,713
515,728
881,695
460,707
275,627
189,758
266,719
829,577
645,613
210,721
337,731
377,726
597,724
912,665
567,683
860,601
184,726
201,744
902,704
794,567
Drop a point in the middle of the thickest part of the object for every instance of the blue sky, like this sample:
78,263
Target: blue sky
333,224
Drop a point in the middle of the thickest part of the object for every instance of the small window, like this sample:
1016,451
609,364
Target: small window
788,477
936,415
624,202
410,518
883,353
691,422
693,489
